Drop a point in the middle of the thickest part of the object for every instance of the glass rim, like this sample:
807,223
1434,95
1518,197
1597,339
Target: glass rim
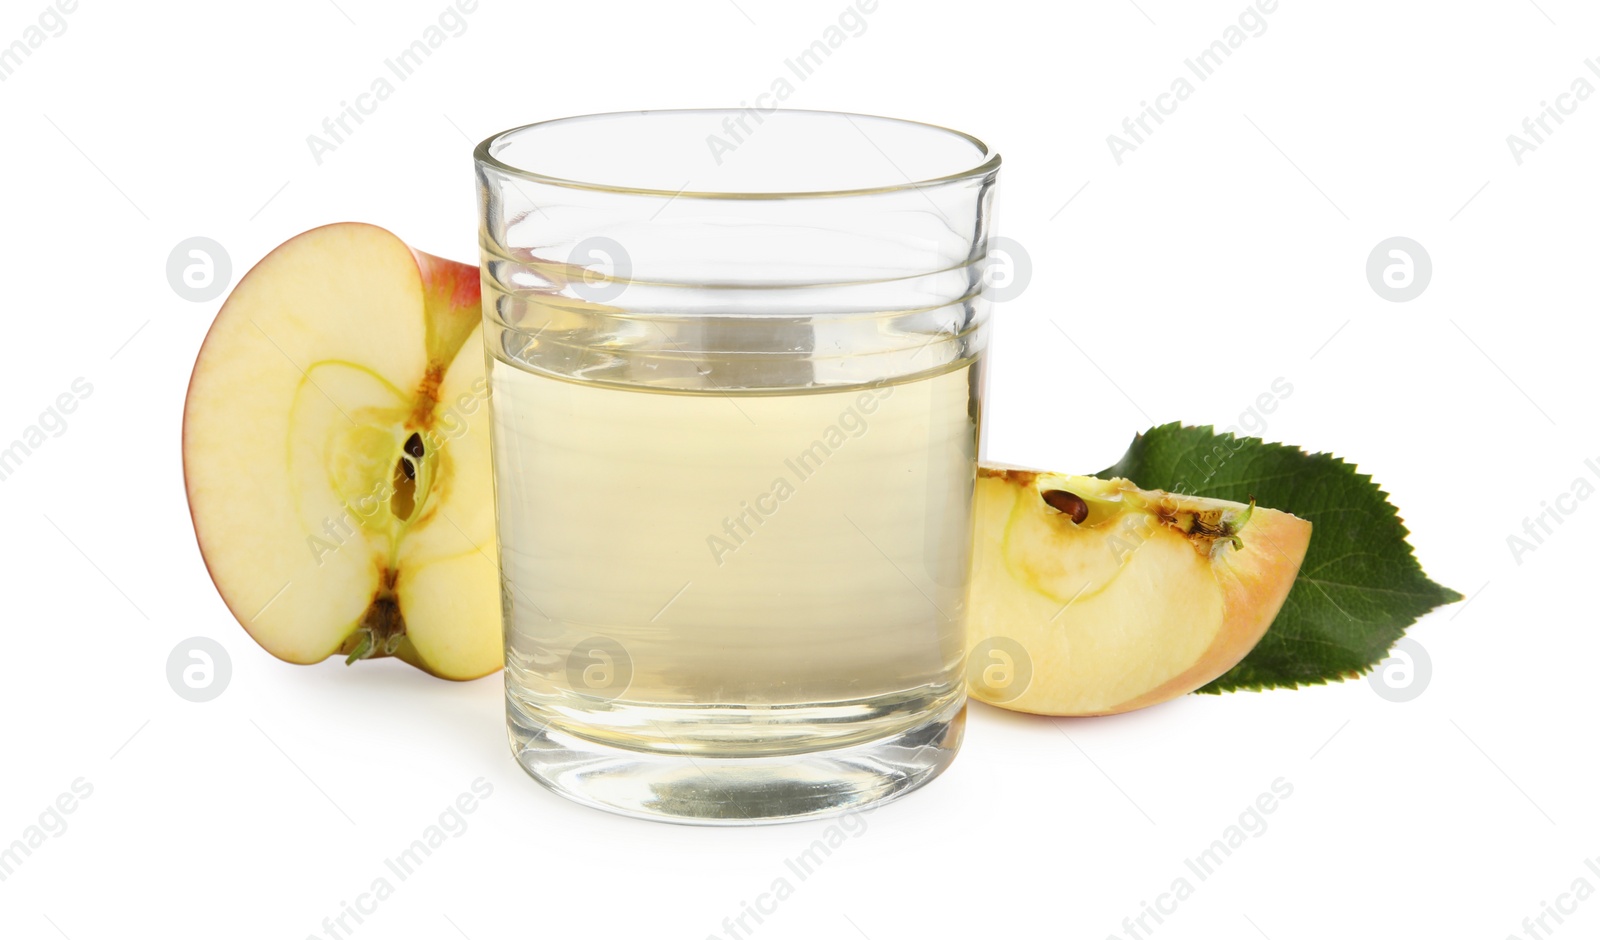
989,159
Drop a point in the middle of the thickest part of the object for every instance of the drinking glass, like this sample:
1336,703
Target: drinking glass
736,366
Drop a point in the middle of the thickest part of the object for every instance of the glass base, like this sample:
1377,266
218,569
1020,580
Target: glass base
720,791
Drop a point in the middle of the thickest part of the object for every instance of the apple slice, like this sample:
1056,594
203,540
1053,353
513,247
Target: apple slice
1092,597
336,455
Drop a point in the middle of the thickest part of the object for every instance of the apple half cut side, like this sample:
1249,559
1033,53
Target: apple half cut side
336,456
1117,597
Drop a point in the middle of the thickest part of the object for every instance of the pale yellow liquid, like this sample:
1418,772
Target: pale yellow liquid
732,573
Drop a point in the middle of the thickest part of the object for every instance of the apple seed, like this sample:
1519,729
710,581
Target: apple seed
1069,503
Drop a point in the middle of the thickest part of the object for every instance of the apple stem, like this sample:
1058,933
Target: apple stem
382,627
363,647
1239,522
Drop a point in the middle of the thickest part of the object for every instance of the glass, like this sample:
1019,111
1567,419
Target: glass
736,362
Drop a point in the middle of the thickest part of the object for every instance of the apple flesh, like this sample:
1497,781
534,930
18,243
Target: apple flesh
336,455
1119,597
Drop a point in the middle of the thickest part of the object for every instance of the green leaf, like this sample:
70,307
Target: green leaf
1359,587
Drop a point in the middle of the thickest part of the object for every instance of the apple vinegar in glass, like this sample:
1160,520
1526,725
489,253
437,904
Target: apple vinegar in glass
682,561
735,435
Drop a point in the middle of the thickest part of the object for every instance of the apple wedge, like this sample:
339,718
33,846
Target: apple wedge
336,455
1093,597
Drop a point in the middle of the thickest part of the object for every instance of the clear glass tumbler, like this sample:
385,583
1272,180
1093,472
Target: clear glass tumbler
736,365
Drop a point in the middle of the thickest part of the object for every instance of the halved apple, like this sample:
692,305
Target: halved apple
336,455
1092,597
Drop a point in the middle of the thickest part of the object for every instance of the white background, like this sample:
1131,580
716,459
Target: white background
1227,251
